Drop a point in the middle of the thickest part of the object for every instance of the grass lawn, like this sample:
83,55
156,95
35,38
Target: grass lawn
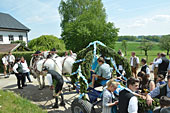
134,46
12,103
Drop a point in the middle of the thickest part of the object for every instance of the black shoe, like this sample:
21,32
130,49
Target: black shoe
6,77
55,106
62,103
20,88
24,85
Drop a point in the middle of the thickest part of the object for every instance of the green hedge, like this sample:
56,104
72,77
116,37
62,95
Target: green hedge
26,55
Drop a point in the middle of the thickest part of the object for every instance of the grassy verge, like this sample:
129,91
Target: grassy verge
11,103
134,46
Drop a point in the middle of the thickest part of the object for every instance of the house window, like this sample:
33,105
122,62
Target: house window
1,38
20,37
11,38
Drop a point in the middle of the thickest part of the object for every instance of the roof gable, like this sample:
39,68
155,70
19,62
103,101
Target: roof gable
8,22
11,47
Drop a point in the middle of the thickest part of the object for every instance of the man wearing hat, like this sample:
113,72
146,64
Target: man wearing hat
163,64
55,81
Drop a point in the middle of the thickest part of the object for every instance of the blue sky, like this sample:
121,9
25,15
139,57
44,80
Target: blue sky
133,17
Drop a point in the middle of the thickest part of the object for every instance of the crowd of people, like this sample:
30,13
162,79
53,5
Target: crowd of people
140,85
18,66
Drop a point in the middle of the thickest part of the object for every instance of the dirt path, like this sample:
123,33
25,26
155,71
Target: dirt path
42,98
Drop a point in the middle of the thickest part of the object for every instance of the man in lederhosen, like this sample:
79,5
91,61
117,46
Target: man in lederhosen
55,81
134,62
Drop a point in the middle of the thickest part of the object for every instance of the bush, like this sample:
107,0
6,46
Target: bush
46,42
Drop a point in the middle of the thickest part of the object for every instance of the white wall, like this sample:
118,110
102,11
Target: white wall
15,35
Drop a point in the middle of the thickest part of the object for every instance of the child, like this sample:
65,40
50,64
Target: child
108,96
160,80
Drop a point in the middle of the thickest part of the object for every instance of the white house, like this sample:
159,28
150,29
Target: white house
12,30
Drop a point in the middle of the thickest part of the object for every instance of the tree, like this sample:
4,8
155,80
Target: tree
19,41
84,21
145,46
165,43
46,42
124,46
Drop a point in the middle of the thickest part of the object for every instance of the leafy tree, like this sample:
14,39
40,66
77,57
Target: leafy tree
124,46
46,42
145,46
165,43
19,41
84,21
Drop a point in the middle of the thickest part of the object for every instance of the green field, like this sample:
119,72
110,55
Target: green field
12,103
134,46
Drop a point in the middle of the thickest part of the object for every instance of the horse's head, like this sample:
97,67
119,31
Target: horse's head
33,73
45,54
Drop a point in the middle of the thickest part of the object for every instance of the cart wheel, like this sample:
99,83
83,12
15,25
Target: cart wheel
81,106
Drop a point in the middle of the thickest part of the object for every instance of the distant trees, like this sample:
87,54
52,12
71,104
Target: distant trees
46,42
124,46
145,46
84,21
127,38
139,38
165,43
150,38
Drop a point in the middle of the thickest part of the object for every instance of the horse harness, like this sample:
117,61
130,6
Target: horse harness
64,62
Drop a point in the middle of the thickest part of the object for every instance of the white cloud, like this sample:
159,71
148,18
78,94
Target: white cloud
34,19
142,22
158,18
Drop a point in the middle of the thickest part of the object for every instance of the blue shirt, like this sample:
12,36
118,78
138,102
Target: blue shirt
104,71
156,92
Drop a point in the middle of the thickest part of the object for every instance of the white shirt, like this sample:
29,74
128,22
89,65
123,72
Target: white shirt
11,58
25,67
155,61
159,61
4,60
137,60
49,79
133,103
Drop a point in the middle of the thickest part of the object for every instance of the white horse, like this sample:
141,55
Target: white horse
60,64
37,67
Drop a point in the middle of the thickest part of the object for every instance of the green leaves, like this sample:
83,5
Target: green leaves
84,22
165,43
143,107
46,42
145,46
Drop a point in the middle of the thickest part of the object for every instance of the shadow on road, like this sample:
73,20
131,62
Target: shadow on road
43,97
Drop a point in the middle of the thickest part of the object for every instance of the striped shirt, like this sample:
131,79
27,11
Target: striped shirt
107,98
